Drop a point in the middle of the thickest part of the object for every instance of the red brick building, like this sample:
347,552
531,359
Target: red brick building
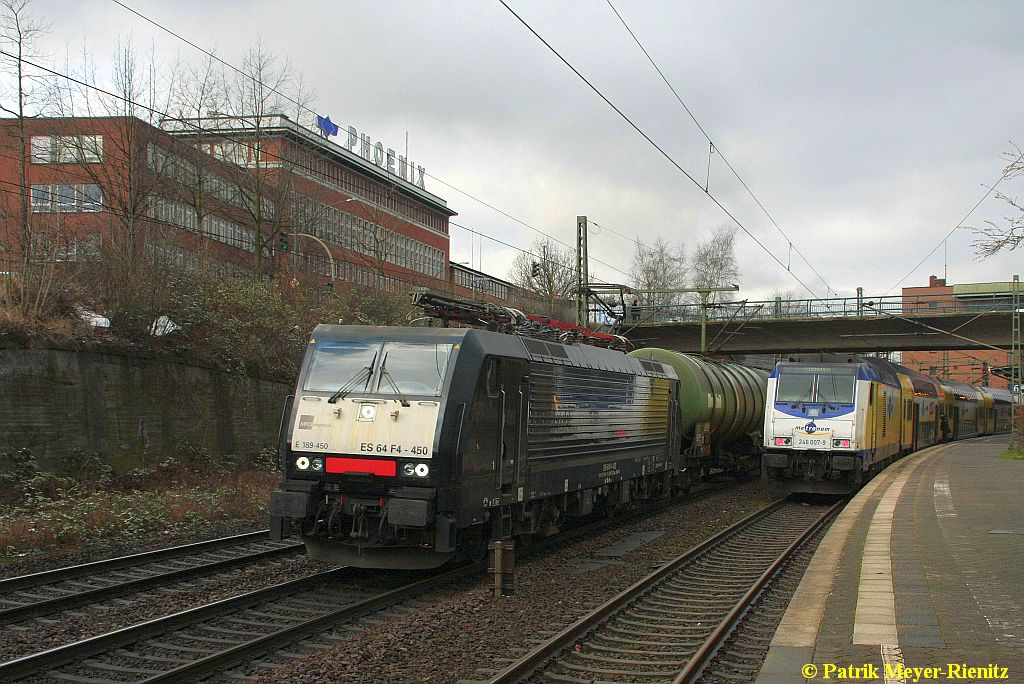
973,365
273,196
240,194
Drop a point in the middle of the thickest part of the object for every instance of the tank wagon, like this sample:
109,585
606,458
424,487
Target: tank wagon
721,411
407,447
833,421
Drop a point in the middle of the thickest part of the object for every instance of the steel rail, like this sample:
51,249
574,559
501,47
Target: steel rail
69,653
77,651
57,657
706,651
76,571
248,650
86,596
534,660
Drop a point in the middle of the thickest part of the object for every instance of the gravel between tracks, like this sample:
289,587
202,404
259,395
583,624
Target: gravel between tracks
61,628
457,632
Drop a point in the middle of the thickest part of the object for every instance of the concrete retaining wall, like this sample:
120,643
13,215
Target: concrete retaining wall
130,410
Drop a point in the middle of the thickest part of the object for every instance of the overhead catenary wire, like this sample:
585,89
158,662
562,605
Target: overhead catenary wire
303,107
714,148
1006,174
111,183
203,130
656,146
358,261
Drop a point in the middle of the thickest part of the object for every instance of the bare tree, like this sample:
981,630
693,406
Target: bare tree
786,302
199,91
714,264
265,178
118,160
374,242
994,238
660,266
555,281
19,34
42,274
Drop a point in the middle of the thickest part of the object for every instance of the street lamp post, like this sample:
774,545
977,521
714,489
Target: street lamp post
327,251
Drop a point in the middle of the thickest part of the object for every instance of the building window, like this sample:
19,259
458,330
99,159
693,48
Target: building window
91,197
65,198
42,198
67,149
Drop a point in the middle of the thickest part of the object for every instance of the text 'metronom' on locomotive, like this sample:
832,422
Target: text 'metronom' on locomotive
406,447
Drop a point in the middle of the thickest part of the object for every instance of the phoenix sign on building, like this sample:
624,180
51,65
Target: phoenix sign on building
255,193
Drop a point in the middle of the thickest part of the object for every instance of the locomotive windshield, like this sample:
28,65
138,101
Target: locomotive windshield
816,385
338,364
413,368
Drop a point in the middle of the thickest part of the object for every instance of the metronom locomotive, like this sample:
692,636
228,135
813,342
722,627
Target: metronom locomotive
834,421
407,447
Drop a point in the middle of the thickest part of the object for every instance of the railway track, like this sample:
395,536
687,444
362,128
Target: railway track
668,626
217,637
52,591
199,642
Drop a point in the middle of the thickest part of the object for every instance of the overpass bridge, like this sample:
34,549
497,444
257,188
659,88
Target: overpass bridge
853,324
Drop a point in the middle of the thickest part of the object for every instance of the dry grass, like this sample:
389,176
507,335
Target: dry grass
76,519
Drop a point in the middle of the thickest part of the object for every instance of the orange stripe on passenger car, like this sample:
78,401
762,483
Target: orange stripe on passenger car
362,466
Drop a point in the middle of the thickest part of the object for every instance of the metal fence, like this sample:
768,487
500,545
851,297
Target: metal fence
840,307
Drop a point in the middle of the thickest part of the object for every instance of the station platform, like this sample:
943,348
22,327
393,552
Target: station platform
924,568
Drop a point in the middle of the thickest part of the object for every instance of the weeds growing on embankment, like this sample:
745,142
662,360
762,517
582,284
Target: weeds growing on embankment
86,505
1012,455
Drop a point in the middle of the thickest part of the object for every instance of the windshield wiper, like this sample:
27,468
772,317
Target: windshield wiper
801,398
386,374
351,384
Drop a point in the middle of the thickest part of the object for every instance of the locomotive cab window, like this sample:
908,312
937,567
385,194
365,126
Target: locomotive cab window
339,364
413,368
816,385
492,378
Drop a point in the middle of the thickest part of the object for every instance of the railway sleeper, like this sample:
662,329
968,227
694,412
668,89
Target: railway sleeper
156,658
173,648
689,617
110,667
590,669
675,626
634,651
646,642
646,661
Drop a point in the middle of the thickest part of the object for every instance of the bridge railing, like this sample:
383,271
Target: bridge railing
839,307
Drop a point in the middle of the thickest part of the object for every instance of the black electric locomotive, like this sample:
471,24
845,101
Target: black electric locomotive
405,447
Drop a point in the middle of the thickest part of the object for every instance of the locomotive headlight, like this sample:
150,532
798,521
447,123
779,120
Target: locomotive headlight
302,463
367,411
317,463
415,469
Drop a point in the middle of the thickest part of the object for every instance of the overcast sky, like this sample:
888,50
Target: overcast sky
867,130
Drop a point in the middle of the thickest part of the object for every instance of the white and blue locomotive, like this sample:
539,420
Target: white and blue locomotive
833,421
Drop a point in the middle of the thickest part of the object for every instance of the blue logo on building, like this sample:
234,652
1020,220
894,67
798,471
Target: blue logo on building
326,126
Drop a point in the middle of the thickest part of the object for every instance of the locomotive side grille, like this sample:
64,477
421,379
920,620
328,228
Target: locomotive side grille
582,411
